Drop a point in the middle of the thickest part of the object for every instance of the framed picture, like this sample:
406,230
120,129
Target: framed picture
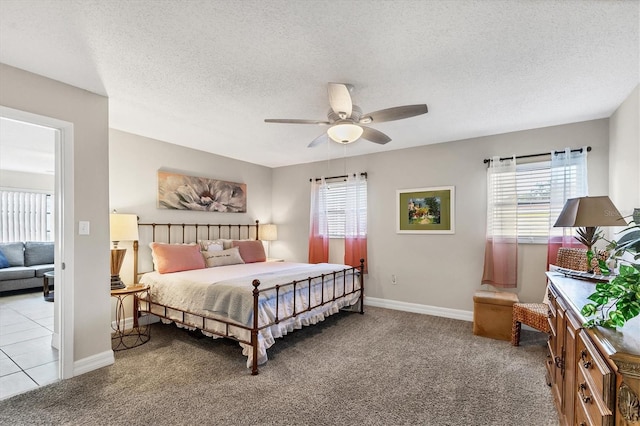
181,192
426,210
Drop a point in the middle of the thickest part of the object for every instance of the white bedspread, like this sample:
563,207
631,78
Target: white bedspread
194,291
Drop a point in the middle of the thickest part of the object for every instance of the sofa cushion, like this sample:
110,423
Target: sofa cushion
41,269
38,253
14,252
16,273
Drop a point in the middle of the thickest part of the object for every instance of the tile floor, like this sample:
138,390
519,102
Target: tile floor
27,359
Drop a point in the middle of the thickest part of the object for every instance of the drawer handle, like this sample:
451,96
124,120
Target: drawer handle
583,424
583,356
559,362
581,388
549,313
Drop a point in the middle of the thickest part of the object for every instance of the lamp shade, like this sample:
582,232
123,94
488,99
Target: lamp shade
589,212
345,133
123,227
268,232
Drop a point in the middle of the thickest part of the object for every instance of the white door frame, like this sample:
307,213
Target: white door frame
64,234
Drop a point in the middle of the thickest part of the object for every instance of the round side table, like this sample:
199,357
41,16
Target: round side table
48,279
126,338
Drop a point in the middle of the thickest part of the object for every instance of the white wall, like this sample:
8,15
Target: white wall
10,179
435,270
134,162
89,259
624,154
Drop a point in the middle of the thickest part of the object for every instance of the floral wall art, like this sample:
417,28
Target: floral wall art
181,192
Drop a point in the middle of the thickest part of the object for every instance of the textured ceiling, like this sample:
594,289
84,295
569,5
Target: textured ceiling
205,74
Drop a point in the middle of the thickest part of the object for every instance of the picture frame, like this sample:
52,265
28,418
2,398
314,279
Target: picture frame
429,210
182,192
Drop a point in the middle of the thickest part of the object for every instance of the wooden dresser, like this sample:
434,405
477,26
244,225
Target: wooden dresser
594,374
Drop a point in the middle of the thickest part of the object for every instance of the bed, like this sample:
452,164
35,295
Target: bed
252,300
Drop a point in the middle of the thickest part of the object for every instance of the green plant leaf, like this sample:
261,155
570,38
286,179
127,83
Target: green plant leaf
589,309
617,318
598,298
604,269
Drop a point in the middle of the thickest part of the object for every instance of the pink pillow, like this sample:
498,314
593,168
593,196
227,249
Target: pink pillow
176,257
251,251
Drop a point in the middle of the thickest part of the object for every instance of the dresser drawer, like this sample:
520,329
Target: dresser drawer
593,366
589,404
581,418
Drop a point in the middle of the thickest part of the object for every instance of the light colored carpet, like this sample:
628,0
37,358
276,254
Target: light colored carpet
382,368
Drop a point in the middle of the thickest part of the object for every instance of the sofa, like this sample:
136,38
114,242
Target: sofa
23,264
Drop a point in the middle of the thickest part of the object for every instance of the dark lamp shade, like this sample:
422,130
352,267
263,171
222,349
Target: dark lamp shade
589,212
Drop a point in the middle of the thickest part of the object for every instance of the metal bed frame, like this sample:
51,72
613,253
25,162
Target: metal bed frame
183,232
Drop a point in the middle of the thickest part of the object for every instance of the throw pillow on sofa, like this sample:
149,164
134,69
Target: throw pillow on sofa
38,253
4,263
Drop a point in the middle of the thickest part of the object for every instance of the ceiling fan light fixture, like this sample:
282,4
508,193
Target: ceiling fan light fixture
345,133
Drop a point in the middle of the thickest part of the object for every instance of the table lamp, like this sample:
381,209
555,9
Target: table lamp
588,213
123,227
268,232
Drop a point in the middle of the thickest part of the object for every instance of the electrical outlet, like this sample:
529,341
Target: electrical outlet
394,279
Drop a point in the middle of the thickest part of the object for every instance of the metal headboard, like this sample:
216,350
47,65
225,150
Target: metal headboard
180,233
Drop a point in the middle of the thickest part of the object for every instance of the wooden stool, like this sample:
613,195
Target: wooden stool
492,314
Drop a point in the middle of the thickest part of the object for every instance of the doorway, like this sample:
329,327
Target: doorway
62,336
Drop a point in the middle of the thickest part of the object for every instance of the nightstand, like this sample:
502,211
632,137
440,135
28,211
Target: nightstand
123,337
273,259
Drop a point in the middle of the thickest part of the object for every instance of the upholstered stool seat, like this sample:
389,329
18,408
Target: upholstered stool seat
534,315
492,312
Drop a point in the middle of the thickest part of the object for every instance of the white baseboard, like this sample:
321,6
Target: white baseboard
419,309
143,320
93,362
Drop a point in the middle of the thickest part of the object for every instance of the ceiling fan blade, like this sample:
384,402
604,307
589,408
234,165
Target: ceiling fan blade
374,135
340,99
320,139
396,113
294,121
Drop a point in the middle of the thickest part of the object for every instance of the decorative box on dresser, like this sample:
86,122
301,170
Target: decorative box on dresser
594,373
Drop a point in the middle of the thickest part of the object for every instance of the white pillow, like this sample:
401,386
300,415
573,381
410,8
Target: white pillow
211,245
222,257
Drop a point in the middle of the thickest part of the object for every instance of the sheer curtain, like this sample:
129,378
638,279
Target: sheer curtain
568,180
319,226
501,246
355,233
23,216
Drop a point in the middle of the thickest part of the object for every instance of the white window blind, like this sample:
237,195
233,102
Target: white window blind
533,182
533,192
25,216
336,205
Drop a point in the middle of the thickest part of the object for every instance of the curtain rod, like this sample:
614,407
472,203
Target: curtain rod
486,160
339,177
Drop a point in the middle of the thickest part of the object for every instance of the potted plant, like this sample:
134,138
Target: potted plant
617,301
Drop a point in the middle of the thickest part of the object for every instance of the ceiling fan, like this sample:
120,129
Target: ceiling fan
346,119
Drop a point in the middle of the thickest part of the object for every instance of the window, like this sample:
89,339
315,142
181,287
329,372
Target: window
25,216
533,183
533,194
336,206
